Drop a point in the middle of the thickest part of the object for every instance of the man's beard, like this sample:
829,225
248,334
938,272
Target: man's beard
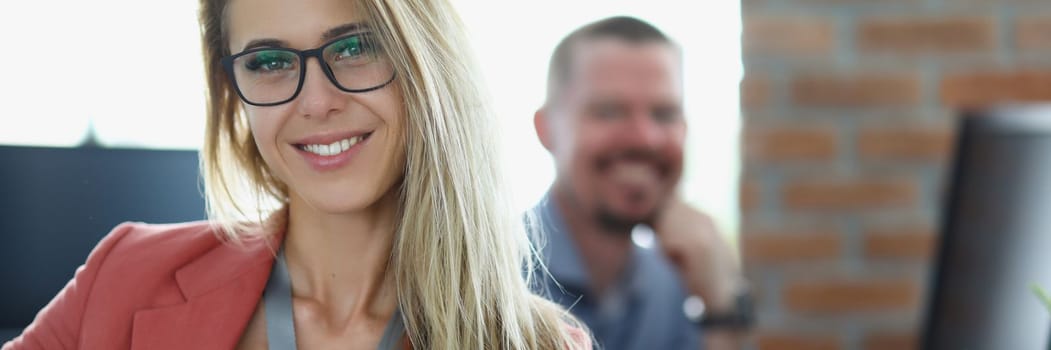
620,225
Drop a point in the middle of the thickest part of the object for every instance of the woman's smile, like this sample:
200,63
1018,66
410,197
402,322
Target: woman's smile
331,151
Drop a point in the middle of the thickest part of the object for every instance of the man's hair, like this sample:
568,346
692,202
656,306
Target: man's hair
629,29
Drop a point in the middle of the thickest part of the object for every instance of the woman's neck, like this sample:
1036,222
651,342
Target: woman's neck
338,262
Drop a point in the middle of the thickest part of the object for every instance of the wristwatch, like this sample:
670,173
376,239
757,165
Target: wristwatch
741,317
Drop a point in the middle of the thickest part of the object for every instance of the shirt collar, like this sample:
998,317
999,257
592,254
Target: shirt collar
561,253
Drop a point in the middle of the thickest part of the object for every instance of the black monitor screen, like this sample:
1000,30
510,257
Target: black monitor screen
996,235
57,203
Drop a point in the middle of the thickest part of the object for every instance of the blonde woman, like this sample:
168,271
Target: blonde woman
361,121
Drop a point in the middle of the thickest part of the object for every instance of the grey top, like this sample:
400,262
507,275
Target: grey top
280,328
643,311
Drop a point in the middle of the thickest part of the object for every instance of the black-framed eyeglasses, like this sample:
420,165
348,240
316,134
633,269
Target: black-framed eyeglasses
269,76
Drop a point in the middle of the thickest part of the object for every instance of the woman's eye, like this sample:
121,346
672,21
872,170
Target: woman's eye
270,61
352,47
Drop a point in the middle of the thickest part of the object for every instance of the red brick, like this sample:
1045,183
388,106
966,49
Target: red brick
796,341
976,89
779,247
900,244
849,194
755,91
787,35
857,90
842,296
891,341
1033,33
790,143
927,35
906,143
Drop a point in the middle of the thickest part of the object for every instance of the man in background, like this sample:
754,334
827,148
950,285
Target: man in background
613,121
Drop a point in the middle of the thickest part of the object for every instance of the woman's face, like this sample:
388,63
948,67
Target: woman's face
338,152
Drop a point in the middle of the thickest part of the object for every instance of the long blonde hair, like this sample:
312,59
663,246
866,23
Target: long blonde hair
460,251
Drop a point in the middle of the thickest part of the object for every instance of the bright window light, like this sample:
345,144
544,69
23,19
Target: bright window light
131,68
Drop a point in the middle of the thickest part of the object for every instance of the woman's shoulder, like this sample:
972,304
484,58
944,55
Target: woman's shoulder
569,330
134,239
135,267
138,265
162,248
581,339
180,243
157,250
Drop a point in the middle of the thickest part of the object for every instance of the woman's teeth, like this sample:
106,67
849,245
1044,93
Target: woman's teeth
333,148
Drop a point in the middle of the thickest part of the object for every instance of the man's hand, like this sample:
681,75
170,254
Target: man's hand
707,266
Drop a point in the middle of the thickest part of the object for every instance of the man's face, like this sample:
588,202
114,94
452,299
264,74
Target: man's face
617,130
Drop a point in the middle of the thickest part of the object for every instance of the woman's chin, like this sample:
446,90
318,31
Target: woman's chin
342,200
335,203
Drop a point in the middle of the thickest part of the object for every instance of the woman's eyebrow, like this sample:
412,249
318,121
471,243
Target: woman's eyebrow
265,42
338,31
330,34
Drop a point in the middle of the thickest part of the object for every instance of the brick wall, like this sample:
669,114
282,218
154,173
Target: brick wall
849,110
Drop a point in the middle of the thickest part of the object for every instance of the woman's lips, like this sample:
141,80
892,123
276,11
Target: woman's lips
332,155
333,148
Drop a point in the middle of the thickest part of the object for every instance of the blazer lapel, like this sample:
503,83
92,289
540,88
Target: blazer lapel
222,289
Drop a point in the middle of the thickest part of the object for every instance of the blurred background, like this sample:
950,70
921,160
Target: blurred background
821,131
850,109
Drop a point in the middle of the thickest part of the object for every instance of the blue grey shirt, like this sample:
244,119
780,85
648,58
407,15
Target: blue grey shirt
642,311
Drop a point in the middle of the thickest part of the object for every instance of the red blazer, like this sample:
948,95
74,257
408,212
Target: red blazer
155,287
161,287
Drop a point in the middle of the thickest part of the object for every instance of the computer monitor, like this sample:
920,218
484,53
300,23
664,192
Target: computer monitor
995,238
57,203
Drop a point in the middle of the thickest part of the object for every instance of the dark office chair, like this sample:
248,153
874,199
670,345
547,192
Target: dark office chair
57,203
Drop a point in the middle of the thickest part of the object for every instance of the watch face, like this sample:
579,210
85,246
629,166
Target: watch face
741,317
693,308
